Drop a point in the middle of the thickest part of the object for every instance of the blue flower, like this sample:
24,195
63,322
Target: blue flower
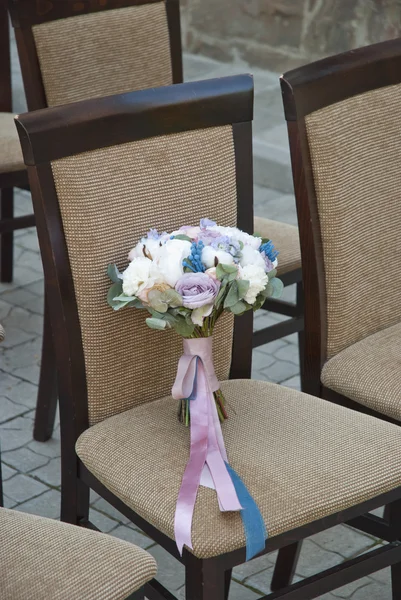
206,223
194,260
153,234
268,249
224,242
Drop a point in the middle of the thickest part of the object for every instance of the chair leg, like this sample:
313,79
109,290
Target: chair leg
301,334
6,239
285,567
204,579
396,581
74,494
46,403
1,486
227,583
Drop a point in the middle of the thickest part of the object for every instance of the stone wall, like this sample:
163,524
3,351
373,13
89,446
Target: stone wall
283,34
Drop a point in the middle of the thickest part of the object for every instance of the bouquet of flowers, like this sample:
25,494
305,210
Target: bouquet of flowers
185,280
188,278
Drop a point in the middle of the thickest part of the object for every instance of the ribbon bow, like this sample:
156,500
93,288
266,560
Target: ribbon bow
196,381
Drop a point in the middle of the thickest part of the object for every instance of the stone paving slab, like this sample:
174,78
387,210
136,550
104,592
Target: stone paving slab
31,470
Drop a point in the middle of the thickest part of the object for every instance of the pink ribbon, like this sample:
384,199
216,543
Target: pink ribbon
197,380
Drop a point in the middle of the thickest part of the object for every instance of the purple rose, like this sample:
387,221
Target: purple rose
197,289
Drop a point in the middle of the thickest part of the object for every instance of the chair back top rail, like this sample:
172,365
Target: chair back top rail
26,13
324,82
93,124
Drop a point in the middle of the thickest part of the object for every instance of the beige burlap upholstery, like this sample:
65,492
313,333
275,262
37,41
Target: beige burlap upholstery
10,148
369,372
302,458
355,150
42,559
108,199
285,238
104,53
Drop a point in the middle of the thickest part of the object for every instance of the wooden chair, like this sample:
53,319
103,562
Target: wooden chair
12,168
343,117
308,463
41,558
75,51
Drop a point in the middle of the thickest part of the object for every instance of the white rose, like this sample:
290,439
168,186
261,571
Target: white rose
257,281
170,260
250,256
209,254
141,274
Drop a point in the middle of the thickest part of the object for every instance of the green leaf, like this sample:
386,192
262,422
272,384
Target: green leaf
124,298
172,298
183,237
243,287
272,274
156,302
113,273
156,323
239,308
221,294
114,290
136,303
183,327
232,296
274,288
260,300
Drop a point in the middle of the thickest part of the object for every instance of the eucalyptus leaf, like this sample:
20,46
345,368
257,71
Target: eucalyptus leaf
124,298
172,298
113,273
243,287
183,327
232,296
272,274
221,294
239,308
260,300
156,302
114,291
183,237
274,288
156,323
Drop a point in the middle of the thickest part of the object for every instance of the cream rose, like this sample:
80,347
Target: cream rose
257,281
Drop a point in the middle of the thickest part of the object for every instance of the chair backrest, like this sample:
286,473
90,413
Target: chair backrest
102,173
71,51
344,117
5,64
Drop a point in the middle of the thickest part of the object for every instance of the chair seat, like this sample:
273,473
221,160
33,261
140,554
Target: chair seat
301,457
41,559
286,240
10,148
369,372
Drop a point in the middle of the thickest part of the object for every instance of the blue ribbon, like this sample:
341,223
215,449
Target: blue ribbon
254,526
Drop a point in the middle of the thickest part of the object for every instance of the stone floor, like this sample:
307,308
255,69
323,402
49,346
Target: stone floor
31,470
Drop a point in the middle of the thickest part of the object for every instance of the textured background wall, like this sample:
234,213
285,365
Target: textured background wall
282,34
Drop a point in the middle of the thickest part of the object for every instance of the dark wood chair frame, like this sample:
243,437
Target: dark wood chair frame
12,179
304,91
130,117
25,14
